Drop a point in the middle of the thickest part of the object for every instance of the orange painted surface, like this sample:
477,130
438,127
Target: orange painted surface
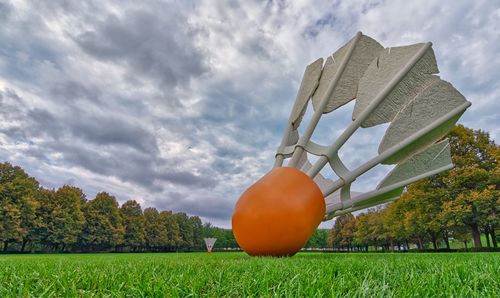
277,215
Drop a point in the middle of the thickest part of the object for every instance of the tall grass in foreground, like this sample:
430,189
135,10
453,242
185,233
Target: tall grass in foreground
235,274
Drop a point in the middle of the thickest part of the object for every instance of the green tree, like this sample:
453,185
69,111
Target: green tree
225,237
197,225
103,227
66,219
44,214
10,230
319,239
186,231
168,221
133,221
362,235
17,205
156,231
423,207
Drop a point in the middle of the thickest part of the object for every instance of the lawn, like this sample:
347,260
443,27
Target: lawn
235,274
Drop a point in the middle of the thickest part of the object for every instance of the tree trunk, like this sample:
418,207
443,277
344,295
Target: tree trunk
476,235
487,235
493,237
23,245
407,245
434,241
5,244
446,240
465,244
420,244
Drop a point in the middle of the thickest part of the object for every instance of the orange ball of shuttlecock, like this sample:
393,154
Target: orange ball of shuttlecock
277,215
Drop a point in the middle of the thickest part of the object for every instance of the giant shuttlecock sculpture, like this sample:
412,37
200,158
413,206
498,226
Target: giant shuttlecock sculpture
277,215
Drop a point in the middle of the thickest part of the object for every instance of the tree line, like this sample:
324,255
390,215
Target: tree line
460,204
33,218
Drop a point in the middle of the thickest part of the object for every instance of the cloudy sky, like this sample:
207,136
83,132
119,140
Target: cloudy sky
181,105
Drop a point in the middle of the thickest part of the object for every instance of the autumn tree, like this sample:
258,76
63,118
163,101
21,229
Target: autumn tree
347,233
378,232
473,186
341,234
394,224
440,206
370,229
422,205
362,234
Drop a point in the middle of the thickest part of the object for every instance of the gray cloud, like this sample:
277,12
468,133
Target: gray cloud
208,207
5,10
152,44
72,90
110,130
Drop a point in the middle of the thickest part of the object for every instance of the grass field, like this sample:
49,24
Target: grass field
236,275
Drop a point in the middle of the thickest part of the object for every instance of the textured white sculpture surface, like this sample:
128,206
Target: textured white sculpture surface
345,90
396,85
